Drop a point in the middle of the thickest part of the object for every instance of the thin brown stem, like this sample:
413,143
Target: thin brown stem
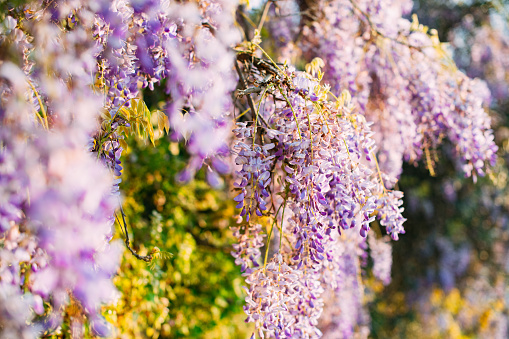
266,8
43,110
146,258
377,32
250,101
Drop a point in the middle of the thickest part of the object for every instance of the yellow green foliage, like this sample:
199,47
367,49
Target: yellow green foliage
197,291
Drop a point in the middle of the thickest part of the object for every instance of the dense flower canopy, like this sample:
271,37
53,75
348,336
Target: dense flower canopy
315,150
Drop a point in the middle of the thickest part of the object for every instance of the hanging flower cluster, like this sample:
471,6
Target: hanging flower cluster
72,74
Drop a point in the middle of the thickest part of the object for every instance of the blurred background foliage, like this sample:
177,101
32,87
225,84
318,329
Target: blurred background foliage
450,269
197,292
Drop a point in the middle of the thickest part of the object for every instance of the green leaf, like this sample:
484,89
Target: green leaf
163,123
139,107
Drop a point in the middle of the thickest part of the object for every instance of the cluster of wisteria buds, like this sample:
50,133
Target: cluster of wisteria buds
306,160
314,159
401,77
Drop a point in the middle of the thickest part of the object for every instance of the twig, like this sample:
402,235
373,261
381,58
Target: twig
266,8
291,107
43,111
250,101
270,236
248,91
243,20
146,258
377,32
121,226
258,63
